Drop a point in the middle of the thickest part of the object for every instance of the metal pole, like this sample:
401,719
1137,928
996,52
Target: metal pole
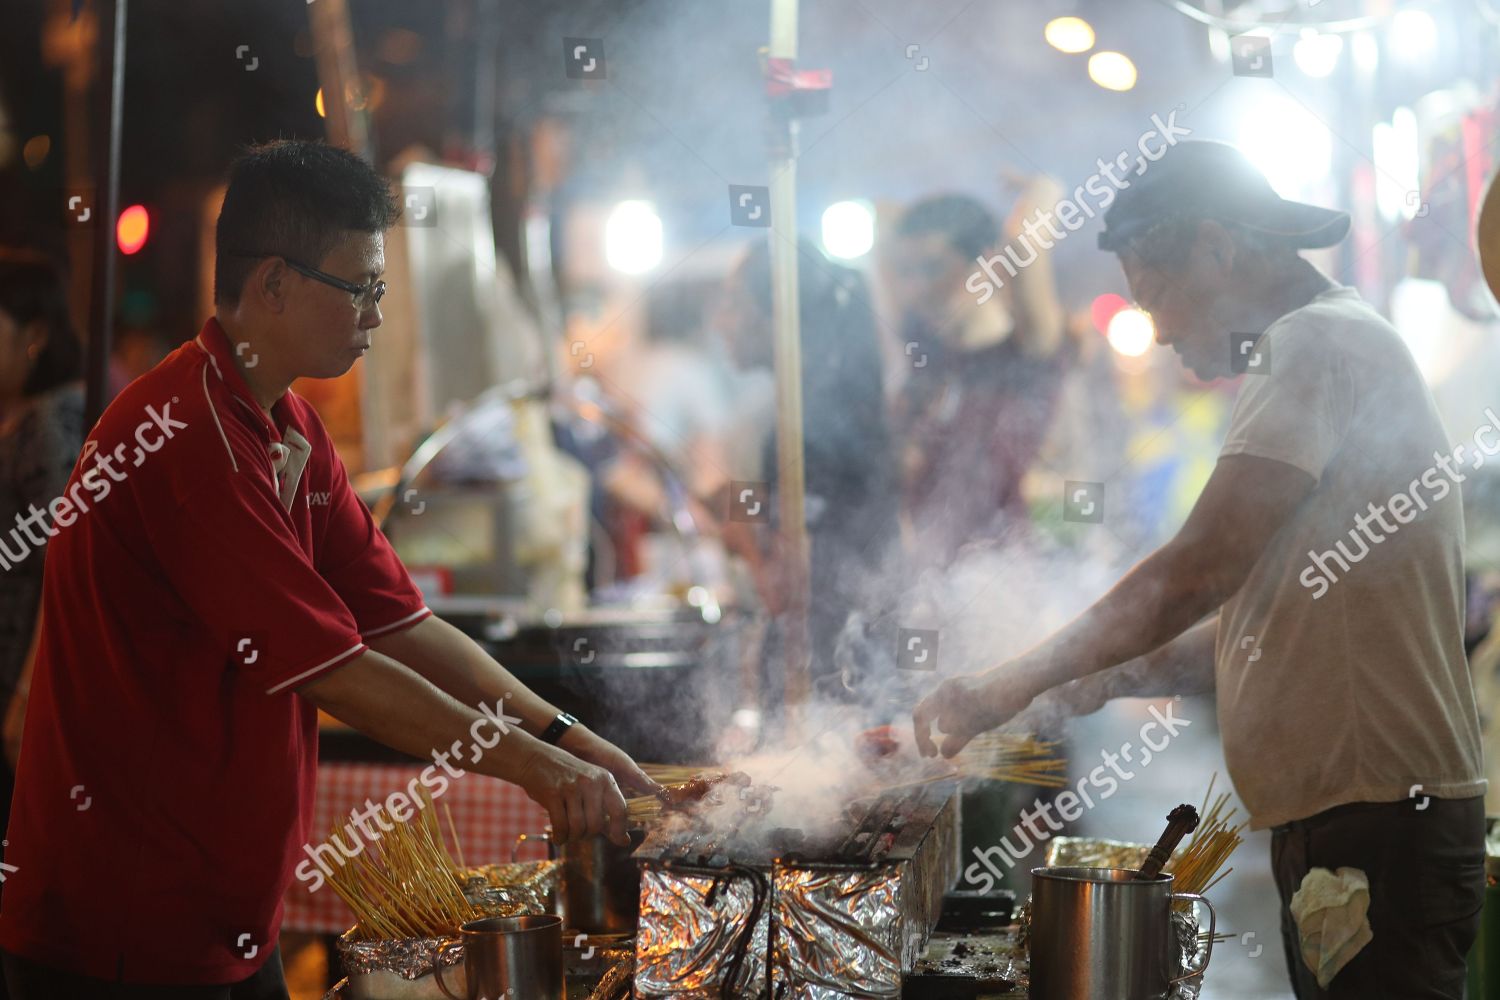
486,78
338,76
788,353
102,293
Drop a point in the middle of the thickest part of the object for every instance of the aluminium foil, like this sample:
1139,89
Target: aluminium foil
692,925
854,933
829,929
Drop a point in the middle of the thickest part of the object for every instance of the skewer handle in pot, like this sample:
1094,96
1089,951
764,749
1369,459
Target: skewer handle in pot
1180,822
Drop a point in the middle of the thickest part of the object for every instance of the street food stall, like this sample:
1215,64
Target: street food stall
733,885
800,846
825,872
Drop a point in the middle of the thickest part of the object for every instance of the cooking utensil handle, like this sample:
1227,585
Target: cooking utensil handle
1213,919
437,967
523,838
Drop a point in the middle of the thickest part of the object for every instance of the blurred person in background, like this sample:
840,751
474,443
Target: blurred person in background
984,372
1350,730
984,368
676,399
849,460
136,350
41,430
1089,437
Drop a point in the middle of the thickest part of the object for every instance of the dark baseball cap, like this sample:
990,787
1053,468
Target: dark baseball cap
1201,177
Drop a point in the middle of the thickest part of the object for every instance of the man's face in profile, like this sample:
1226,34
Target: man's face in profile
322,328
1186,305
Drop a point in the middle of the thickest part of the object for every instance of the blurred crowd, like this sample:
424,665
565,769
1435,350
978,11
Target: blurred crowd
934,422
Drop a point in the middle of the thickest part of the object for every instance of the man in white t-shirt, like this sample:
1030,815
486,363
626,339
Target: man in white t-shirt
1317,586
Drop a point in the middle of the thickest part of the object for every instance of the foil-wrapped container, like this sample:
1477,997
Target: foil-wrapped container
1186,954
838,934
843,933
812,923
698,931
399,969
1092,852
402,969
514,889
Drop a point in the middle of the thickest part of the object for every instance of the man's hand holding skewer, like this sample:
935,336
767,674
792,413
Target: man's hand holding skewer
965,706
587,745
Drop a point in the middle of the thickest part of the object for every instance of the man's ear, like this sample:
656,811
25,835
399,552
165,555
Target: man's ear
269,283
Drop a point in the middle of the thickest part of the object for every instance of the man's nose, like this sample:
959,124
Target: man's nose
371,318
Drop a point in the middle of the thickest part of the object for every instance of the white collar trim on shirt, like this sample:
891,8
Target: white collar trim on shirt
214,412
211,359
288,460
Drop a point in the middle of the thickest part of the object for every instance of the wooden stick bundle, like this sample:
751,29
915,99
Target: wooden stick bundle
673,774
1018,759
644,809
1196,868
406,884
1021,759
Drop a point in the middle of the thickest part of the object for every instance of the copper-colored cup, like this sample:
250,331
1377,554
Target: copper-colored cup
509,958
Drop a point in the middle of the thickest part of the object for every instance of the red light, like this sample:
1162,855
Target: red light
1104,308
133,228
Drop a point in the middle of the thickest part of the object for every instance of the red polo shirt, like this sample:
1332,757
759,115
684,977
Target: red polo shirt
206,563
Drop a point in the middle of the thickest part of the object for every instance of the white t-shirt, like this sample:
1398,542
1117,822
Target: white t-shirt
1340,669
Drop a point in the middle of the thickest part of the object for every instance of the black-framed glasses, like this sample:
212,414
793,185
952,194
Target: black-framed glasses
365,296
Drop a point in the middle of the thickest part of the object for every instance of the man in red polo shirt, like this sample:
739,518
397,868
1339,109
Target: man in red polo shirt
212,581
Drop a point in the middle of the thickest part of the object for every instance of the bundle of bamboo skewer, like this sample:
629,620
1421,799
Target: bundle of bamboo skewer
673,774
1196,868
1019,759
406,884
643,809
1016,758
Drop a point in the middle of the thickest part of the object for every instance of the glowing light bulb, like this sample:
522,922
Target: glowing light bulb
1112,70
1069,34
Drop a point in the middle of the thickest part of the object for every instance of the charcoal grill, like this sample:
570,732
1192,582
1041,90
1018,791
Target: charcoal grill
740,910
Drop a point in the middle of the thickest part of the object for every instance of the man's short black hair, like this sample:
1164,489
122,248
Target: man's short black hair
296,199
963,221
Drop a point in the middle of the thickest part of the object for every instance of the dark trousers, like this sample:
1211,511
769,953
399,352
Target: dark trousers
1426,872
30,980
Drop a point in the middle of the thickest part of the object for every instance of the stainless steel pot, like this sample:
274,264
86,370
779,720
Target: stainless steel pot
508,957
601,885
1097,934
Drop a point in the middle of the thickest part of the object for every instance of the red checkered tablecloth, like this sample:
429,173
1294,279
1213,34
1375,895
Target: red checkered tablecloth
489,815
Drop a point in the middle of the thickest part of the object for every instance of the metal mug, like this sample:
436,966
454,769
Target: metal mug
508,958
601,885
1098,934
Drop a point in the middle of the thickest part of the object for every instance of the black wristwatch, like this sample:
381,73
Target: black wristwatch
560,725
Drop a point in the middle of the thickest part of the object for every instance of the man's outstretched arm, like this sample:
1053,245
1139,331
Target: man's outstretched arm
1246,502
1184,666
458,665
398,707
